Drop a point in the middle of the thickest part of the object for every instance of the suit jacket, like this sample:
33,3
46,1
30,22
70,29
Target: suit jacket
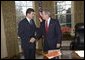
53,36
25,32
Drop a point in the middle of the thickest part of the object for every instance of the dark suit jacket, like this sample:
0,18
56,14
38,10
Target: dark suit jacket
53,36
25,32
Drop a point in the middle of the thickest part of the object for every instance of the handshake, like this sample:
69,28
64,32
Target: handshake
32,40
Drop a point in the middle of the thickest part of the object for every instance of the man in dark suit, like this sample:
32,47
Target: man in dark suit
26,31
51,31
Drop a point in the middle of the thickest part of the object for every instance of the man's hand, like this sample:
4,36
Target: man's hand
40,19
40,14
58,45
32,40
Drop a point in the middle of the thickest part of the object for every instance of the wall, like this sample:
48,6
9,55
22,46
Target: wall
78,11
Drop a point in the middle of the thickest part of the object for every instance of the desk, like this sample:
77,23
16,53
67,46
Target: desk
66,54
76,56
70,54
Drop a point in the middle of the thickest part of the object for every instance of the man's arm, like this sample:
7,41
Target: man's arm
23,33
58,33
40,31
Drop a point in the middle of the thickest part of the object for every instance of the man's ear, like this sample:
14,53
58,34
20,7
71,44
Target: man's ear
28,14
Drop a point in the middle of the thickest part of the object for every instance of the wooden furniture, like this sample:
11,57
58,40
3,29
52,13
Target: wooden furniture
65,54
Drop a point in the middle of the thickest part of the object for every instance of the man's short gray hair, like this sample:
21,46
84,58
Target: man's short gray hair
47,11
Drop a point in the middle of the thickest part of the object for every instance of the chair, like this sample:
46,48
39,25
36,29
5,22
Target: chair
78,42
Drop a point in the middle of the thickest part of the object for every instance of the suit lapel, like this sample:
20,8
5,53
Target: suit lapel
50,24
27,21
44,26
28,24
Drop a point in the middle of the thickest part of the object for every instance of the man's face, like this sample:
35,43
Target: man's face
44,15
30,15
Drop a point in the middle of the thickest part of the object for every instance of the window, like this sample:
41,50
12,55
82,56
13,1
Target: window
63,13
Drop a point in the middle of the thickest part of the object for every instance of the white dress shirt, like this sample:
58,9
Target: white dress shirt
28,19
48,21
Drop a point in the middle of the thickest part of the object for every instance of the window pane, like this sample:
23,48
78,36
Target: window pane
63,3
29,3
17,3
64,6
29,7
68,2
68,6
19,11
68,11
24,10
23,3
64,12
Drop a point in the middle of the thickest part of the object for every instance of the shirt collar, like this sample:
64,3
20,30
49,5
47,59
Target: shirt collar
28,19
48,21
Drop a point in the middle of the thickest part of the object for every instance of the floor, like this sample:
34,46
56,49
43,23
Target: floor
65,46
65,55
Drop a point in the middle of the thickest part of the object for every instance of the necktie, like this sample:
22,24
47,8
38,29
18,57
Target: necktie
31,22
46,26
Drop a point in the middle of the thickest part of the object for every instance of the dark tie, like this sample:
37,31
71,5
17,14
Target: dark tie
31,22
46,27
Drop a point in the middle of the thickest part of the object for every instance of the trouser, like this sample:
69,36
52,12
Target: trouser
29,52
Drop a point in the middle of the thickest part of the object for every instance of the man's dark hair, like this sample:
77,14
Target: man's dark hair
29,10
